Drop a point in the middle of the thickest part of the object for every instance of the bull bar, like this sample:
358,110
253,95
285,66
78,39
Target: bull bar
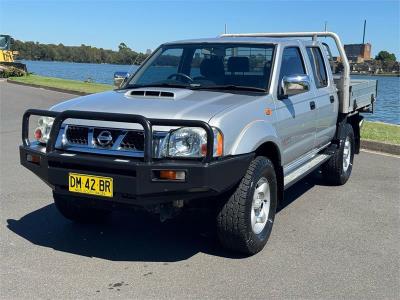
146,123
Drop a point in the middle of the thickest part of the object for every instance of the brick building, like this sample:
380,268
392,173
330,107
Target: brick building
358,52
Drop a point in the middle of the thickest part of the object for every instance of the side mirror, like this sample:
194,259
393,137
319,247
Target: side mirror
295,84
120,77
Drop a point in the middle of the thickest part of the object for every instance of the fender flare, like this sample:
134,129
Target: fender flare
253,136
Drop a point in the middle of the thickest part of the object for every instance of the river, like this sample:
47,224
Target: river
387,108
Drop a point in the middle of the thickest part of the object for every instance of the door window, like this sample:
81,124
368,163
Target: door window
318,66
292,64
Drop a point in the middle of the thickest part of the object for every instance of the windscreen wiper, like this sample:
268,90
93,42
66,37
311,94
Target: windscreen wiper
230,87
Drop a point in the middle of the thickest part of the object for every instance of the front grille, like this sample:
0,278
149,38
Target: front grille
77,135
87,139
133,140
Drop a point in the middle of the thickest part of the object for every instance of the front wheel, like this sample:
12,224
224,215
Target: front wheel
337,169
245,220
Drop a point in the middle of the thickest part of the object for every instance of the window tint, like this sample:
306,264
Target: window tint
292,63
328,54
257,59
252,61
198,57
239,65
318,66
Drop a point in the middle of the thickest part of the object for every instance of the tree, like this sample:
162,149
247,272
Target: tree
82,53
122,46
385,56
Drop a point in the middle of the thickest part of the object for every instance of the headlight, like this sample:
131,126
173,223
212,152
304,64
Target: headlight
42,132
190,142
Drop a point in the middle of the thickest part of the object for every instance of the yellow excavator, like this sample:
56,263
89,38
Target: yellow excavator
7,55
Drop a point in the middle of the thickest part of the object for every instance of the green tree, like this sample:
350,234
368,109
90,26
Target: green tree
122,47
82,53
385,56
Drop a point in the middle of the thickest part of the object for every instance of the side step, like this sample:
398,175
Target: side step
305,169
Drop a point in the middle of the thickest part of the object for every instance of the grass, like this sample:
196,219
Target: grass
70,85
381,132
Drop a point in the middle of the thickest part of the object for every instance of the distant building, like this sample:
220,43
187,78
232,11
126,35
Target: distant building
358,52
148,51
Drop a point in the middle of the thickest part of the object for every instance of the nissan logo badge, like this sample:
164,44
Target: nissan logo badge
104,138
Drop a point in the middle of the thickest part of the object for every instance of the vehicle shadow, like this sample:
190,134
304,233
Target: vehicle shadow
133,236
128,236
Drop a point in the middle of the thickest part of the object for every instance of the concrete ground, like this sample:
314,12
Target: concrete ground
327,242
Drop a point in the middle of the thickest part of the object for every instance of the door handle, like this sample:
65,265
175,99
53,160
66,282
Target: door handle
332,99
312,105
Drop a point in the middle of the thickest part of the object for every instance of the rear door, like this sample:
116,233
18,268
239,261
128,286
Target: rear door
325,96
297,115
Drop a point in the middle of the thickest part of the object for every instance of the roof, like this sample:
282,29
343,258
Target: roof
244,40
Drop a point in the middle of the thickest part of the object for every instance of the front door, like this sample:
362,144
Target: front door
296,115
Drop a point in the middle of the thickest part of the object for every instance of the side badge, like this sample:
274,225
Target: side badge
268,111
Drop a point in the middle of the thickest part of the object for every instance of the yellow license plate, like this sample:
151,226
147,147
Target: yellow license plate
90,184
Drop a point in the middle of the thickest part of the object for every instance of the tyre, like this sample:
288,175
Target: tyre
244,222
337,169
75,209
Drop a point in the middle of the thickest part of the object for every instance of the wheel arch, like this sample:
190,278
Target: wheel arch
271,150
355,121
261,138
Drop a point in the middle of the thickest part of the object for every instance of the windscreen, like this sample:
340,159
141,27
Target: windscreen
208,66
4,42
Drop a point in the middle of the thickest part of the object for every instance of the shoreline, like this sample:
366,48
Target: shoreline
61,85
72,62
376,75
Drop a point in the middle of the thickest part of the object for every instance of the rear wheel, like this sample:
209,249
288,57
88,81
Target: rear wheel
245,220
337,169
75,209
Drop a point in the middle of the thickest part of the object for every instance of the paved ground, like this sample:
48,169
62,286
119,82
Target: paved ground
327,242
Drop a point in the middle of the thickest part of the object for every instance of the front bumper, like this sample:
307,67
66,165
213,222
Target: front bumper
134,181
133,178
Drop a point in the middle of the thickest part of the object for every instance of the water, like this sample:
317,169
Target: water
101,73
387,108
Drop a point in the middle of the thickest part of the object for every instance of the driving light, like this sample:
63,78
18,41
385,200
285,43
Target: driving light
170,175
33,158
190,142
42,132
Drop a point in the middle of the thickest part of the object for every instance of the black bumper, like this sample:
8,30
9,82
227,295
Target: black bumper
133,179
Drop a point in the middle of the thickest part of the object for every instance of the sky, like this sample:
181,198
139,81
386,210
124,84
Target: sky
146,24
